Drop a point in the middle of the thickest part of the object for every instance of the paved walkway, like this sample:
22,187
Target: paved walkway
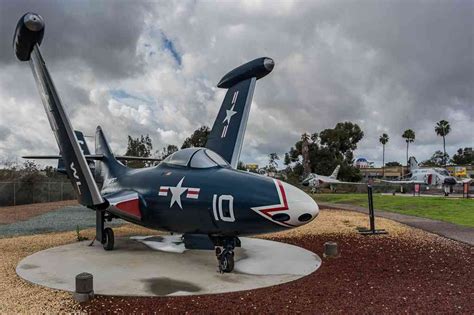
453,231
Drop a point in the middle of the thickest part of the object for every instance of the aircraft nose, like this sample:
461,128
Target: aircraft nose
302,208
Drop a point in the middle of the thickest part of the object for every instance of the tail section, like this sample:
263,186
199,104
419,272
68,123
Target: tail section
413,163
108,167
28,37
335,172
227,134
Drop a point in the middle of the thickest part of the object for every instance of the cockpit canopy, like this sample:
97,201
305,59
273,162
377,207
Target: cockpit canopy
196,158
442,171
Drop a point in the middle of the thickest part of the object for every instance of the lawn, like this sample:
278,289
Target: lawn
458,211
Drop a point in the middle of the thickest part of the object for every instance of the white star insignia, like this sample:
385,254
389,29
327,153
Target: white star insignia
176,193
229,113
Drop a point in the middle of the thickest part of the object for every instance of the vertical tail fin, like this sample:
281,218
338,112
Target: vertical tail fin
108,167
227,134
413,163
28,36
335,172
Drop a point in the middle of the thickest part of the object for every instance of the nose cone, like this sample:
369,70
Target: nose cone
302,208
33,22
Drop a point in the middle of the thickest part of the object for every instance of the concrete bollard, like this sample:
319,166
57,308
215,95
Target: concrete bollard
331,249
84,287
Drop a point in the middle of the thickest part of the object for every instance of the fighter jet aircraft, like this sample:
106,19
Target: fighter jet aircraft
196,191
316,181
435,176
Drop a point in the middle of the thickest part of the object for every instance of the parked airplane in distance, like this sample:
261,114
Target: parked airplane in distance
433,176
316,181
196,191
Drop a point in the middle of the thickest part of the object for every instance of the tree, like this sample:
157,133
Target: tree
326,150
272,162
442,129
394,163
198,138
241,166
409,136
305,141
287,159
437,159
463,157
167,151
383,140
140,147
343,138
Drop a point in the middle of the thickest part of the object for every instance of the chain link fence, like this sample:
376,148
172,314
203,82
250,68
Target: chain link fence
19,193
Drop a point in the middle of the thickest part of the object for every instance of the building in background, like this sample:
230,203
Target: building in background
362,162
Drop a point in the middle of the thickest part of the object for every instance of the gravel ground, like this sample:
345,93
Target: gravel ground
54,220
405,271
24,212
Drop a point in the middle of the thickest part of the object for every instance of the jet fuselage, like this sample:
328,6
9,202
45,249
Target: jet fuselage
215,200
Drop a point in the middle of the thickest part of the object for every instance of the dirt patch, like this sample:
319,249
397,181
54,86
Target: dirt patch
24,212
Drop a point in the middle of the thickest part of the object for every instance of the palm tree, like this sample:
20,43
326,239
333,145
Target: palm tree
305,139
442,128
409,136
383,140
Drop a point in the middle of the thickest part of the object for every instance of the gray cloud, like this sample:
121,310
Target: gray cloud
386,65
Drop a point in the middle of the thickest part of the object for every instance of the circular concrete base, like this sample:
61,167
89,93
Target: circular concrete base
135,269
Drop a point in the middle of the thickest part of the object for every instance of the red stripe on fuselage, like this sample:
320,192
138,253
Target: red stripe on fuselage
131,207
285,202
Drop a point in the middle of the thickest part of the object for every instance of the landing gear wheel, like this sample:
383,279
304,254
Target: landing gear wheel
226,261
108,242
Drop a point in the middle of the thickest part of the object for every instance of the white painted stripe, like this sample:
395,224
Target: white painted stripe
192,196
234,99
224,131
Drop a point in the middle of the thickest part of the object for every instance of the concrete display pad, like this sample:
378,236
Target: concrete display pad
134,268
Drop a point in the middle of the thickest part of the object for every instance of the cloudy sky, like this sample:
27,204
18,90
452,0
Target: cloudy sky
137,67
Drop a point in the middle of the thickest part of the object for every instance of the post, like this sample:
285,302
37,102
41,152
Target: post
14,193
84,287
371,230
371,208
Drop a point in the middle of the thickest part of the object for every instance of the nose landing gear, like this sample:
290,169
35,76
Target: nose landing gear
225,252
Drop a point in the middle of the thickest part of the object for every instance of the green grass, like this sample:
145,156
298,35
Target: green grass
457,211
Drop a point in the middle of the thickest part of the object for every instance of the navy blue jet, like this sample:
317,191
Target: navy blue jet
196,191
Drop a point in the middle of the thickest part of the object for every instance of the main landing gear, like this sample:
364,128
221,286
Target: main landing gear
225,252
104,235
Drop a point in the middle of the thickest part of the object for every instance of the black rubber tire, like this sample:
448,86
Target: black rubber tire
108,239
226,262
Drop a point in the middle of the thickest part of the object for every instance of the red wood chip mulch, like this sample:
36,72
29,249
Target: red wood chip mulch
373,275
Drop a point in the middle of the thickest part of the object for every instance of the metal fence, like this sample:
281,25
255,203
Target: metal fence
20,193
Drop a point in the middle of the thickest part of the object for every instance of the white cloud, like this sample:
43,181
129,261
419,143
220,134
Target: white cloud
387,66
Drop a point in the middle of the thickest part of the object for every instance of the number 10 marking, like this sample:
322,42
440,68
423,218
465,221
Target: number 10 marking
217,204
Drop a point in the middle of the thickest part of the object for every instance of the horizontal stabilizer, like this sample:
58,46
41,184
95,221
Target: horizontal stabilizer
95,157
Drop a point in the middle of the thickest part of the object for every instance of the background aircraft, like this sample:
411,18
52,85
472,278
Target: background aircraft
435,177
195,191
316,181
